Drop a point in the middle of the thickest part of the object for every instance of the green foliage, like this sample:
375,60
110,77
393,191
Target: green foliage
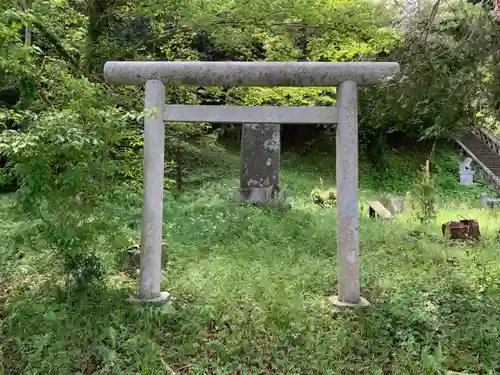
425,196
63,165
252,291
17,62
448,62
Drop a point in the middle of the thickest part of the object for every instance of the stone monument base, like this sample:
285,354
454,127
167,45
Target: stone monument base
270,195
363,302
159,301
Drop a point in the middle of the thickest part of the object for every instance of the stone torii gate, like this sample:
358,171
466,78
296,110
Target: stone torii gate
346,76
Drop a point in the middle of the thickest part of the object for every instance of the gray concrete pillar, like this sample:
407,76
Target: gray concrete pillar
260,164
152,214
347,195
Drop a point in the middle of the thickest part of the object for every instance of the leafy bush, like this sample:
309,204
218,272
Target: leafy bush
66,165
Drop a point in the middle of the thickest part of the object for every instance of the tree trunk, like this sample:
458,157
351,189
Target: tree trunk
178,170
28,30
98,13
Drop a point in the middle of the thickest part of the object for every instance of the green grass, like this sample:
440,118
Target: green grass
251,289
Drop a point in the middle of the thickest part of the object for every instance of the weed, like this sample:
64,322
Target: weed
425,198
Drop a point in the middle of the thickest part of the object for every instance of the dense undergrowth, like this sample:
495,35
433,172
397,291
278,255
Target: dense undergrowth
251,286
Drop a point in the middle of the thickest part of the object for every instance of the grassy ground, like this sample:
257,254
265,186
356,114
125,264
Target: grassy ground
251,289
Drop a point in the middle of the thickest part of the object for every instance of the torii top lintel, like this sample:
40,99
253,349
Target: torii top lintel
258,73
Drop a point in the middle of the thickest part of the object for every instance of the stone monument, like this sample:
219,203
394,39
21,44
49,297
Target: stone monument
260,164
466,172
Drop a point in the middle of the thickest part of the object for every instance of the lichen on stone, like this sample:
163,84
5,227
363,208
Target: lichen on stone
273,144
